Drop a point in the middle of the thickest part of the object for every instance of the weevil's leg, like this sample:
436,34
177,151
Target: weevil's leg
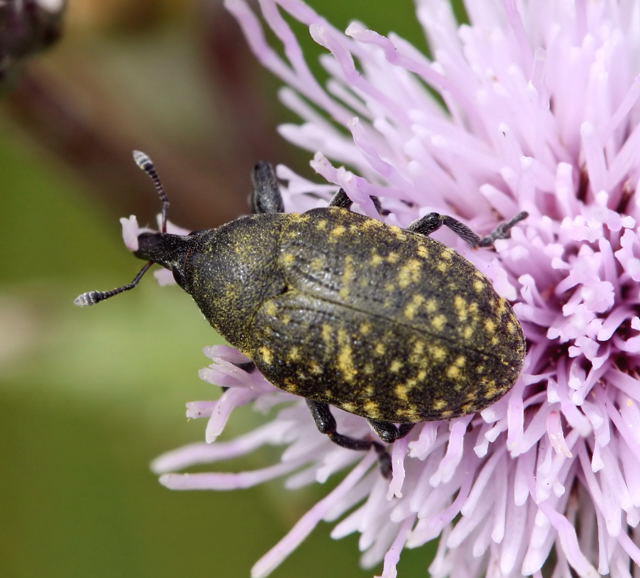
389,432
503,230
326,423
248,366
433,221
340,199
386,431
378,206
266,196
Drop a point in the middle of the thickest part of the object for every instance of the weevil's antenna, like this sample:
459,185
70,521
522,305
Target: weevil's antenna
93,297
146,164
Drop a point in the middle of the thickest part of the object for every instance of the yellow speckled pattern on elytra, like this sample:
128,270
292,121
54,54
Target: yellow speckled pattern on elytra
423,252
336,233
266,355
393,257
270,308
401,391
409,273
300,217
348,275
447,253
411,309
438,322
490,325
395,366
327,334
454,373
376,259
288,259
345,356
290,385
461,307
384,323
314,367
319,262
294,353
372,409
438,352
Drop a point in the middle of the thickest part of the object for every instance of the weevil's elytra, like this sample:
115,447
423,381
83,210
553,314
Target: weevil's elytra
445,342
343,310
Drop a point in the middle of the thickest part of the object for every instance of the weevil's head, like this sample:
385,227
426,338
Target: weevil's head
169,251
165,249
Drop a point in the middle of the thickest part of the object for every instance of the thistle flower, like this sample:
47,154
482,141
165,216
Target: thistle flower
538,111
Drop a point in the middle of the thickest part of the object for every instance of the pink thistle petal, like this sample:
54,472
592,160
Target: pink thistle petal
164,277
392,556
195,454
454,453
230,400
225,353
398,455
556,435
226,481
130,232
308,522
200,409
567,536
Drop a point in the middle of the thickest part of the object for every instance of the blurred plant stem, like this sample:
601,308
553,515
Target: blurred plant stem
68,105
232,72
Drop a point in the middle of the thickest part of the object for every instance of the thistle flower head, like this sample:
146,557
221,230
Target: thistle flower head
536,110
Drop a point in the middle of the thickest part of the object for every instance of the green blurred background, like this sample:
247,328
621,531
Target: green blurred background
90,397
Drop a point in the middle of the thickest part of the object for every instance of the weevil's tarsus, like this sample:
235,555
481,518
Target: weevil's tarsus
93,297
389,432
433,221
503,230
146,164
341,200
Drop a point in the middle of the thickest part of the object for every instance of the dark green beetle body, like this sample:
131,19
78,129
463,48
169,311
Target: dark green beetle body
343,309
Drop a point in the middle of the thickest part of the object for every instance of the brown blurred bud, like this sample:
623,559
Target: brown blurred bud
122,15
27,26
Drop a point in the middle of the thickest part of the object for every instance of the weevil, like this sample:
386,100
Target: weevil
346,311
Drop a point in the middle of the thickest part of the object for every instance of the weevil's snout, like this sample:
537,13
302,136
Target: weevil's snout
162,248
